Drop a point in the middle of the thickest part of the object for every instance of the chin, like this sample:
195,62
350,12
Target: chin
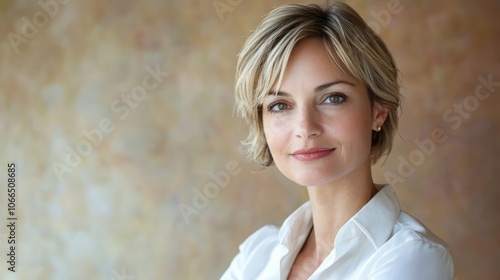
307,179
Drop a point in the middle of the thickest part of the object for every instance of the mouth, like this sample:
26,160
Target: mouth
311,154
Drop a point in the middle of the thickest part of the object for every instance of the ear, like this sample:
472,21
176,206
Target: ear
379,115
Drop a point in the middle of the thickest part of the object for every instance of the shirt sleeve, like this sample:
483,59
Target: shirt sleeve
414,260
235,269
248,255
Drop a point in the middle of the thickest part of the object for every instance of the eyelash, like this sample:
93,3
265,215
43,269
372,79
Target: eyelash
270,107
337,94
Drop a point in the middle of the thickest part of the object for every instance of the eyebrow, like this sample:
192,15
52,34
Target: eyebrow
316,90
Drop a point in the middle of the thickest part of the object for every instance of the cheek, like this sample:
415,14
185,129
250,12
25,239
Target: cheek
275,130
355,129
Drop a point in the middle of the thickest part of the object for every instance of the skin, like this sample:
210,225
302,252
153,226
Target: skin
338,117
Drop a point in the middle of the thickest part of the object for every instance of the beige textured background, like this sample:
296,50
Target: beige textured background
117,215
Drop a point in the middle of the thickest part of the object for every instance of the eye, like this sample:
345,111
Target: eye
335,98
279,106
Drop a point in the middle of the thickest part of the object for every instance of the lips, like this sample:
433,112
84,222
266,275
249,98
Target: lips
311,154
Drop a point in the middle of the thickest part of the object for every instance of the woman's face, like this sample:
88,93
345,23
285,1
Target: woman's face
319,126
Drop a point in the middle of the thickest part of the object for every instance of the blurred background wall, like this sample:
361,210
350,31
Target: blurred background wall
119,116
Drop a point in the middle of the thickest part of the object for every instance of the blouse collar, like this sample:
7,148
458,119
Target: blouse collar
375,220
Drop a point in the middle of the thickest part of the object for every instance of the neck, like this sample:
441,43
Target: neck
333,205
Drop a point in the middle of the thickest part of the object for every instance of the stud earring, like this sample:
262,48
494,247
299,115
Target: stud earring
378,128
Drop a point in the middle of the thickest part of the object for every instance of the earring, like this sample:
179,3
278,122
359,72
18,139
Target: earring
378,128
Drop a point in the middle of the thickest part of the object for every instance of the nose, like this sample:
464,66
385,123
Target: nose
308,123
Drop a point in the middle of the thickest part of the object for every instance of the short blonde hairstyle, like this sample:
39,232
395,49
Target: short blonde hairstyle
351,44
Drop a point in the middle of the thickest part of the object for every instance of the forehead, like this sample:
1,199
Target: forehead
309,65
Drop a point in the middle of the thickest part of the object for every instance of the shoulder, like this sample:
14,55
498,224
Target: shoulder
409,229
412,249
254,254
264,238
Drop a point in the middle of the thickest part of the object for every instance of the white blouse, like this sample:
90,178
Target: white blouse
379,243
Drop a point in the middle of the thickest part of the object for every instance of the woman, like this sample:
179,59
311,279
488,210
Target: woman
320,93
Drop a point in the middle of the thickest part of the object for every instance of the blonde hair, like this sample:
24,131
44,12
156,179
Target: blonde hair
352,45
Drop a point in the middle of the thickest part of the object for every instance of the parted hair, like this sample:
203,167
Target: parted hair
351,44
